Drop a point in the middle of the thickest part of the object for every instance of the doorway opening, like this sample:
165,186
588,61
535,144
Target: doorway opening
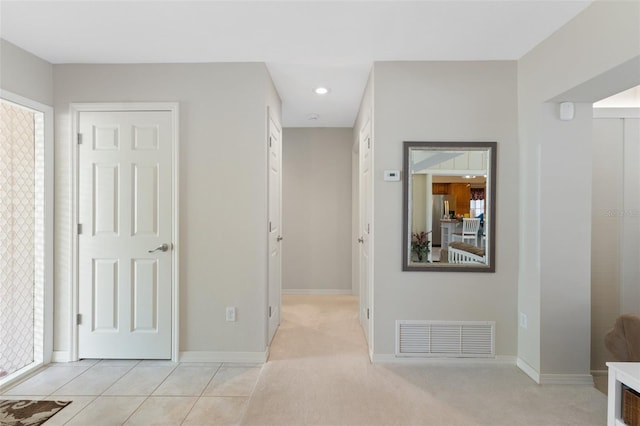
318,178
614,224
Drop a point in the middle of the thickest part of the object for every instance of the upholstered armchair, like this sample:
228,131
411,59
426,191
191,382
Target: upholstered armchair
623,341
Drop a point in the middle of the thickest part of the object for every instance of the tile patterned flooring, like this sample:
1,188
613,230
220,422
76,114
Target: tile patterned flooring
131,392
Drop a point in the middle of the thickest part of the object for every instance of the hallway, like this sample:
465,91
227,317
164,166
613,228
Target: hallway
319,374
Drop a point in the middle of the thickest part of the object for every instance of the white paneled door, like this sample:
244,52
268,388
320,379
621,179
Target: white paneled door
365,219
125,234
275,225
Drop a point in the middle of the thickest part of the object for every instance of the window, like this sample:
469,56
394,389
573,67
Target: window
25,236
477,202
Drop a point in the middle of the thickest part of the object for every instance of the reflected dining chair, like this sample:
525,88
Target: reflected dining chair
469,231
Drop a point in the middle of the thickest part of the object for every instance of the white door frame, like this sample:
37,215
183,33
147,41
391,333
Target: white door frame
48,308
75,109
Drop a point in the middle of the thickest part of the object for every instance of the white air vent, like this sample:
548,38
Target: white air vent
445,339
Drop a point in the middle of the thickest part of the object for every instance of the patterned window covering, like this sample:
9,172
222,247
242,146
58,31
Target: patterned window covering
477,193
17,236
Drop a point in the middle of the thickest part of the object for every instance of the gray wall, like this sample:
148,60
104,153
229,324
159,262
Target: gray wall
25,74
223,192
444,101
316,254
577,64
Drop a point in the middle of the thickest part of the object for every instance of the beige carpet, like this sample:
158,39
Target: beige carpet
319,374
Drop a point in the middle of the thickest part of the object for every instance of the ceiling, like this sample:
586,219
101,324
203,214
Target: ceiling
305,43
628,99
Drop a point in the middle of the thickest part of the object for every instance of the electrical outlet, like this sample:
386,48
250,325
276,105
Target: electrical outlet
523,320
231,313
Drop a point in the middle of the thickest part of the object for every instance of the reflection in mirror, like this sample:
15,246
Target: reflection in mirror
449,206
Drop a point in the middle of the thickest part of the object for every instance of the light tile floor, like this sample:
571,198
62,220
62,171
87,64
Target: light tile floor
131,392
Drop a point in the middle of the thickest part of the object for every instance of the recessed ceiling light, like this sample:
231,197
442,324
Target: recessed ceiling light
313,117
321,90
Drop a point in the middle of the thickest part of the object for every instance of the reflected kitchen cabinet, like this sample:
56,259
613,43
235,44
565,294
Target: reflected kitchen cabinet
462,192
440,188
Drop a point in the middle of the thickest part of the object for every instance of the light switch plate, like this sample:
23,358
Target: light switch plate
523,320
231,313
392,175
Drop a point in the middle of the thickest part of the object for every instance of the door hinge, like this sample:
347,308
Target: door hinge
269,226
368,228
79,138
79,319
79,229
367,313
368,143
270,141
270,311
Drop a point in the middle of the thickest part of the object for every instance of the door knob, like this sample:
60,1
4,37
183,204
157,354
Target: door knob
361,240
163,247
279,238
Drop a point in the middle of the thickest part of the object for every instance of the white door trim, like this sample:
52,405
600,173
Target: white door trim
47,112
75,109
616,112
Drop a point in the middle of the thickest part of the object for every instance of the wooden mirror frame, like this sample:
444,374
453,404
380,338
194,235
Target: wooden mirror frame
491,148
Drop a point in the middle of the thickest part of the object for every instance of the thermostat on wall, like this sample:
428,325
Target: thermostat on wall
392,175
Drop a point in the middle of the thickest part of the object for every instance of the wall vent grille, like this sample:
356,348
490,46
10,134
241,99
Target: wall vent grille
468,339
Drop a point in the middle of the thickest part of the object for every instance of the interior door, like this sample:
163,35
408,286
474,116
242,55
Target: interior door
365,209
275,224
124,237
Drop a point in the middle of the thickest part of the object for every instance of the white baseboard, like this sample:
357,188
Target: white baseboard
599,373
528,370
19,376
554,379
393,359
196,356
566,379
209,356
60,356
316,291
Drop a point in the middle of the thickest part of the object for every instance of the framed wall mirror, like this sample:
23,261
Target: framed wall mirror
449,206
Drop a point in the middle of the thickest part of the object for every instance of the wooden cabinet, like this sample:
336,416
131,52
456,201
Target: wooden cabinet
440,188
462,191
